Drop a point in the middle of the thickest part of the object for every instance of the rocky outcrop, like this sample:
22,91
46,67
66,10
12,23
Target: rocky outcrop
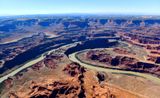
60,89
100,56
101,76
71,87
74,69
85,84
151,58
38,66
8,83
50,62
56,89
122,51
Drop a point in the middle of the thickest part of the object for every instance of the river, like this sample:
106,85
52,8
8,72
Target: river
73,58
30,57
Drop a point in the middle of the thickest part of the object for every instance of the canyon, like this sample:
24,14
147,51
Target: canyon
80,57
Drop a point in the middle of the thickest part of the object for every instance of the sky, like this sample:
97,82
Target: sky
25,7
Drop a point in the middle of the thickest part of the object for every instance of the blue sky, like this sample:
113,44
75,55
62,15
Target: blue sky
21,7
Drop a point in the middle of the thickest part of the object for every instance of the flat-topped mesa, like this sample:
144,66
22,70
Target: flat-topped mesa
141,39
124,63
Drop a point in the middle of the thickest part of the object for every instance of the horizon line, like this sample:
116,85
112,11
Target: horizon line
125,14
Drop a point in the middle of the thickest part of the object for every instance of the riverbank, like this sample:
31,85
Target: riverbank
74,58
32,62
